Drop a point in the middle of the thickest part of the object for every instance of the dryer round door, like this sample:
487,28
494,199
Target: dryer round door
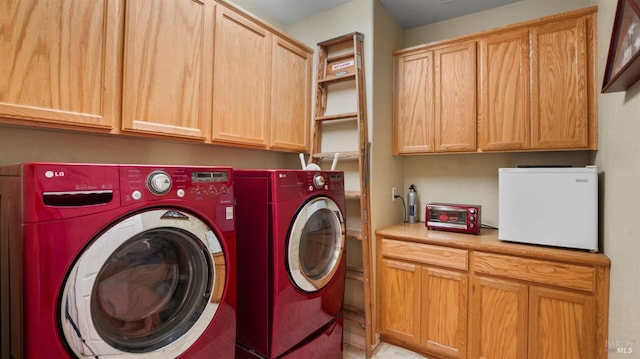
316,244
144,288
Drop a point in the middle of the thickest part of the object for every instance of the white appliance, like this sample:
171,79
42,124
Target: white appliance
555,206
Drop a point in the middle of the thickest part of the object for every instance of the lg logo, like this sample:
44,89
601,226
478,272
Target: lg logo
51,174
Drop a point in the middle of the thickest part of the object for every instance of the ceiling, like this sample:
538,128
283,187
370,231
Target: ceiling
408,13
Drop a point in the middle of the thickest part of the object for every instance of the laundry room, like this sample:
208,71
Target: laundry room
164,101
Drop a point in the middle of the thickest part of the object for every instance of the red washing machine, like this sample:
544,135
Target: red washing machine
117,261
291,263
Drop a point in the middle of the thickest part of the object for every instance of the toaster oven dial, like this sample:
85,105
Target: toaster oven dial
318,181
159,183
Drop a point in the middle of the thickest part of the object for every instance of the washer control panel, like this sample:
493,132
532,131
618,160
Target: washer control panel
146,182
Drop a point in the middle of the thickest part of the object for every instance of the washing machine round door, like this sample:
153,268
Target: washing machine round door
144,287
316,244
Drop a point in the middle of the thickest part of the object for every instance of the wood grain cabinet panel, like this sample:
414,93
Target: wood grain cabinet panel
503,99
498,321
60,62
560,85
423,305
414,123
400,300
167,67
565,275
290,97
241,80
426,254
444,312
455,97
562,325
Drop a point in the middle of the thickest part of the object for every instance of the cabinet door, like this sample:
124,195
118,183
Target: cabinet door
561,325
60,61
400,300
503,107
241,80
560,89
498,327
444,312
455,98
290,97
167,67
414,107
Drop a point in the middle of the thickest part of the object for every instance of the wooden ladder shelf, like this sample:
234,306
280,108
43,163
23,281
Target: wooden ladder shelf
340,79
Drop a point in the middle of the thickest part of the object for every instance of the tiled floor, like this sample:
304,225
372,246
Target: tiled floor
383,351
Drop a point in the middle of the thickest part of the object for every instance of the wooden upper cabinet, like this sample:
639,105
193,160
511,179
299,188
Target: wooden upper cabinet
60,62
290,97
503,99
533,89
414,96
560,84
455,97
167,67
242,70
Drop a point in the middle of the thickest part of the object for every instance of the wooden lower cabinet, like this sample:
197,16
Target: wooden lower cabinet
421,305
513,320
400,298
444,312
450,295
498,320
561,324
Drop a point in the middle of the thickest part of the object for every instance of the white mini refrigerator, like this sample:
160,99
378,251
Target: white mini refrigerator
554,206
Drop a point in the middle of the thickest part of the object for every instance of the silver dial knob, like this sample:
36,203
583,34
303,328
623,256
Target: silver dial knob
159,183
318,181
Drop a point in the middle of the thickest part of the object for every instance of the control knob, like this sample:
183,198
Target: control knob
159,183
318,181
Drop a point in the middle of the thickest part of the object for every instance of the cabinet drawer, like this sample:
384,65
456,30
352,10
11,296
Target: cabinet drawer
541,271
425,253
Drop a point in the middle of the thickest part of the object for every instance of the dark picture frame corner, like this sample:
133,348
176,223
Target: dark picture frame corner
623,61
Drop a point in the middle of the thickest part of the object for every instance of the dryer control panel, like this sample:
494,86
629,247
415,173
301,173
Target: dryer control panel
324,181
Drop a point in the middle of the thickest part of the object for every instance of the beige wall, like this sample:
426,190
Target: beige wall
243,4
619,161
25,144
387,170
501,16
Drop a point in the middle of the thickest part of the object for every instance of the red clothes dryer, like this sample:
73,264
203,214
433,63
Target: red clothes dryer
117,261
291,263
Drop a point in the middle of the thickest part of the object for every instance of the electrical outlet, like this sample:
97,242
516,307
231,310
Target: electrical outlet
394,193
